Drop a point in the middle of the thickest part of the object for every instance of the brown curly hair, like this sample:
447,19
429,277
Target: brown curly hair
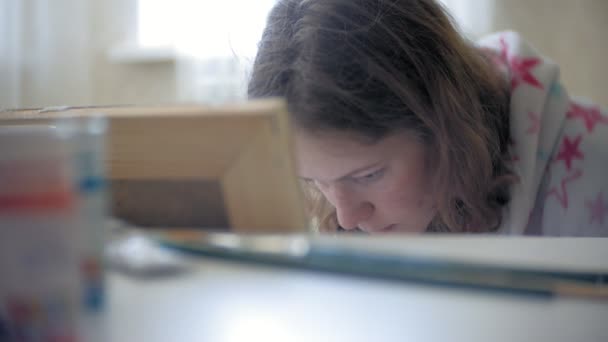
372,67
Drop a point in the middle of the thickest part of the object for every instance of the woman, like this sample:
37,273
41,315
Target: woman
404,126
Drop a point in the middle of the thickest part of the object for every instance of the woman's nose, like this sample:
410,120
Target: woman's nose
351,217
350,209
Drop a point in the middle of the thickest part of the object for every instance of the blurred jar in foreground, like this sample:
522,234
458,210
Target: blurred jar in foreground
52,211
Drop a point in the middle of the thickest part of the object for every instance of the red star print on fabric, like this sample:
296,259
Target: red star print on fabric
598,209
590,116
561,194
570,151
534,123
521,68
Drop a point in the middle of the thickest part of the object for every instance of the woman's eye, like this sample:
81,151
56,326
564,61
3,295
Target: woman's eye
370,177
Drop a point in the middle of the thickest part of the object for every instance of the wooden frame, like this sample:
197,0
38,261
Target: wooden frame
221,168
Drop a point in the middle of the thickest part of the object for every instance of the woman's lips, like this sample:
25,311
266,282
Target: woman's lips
386,229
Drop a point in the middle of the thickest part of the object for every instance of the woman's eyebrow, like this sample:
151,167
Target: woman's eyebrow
348,175
359,170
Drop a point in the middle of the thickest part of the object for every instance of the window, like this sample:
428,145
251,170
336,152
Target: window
202,28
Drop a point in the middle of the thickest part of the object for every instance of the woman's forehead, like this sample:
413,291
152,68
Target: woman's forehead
329,156
336,144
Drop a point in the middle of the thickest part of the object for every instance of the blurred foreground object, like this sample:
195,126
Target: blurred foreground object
227,167
52,209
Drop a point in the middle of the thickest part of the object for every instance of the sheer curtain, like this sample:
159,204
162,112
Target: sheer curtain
9,54
44,54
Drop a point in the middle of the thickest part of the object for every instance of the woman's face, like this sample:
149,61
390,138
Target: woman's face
380,187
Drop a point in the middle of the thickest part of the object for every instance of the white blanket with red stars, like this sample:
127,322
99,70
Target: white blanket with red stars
559,149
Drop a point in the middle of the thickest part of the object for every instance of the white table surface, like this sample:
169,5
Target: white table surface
224,301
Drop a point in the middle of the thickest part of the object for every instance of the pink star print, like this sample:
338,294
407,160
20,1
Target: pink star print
534,123
561,194
570,151
590,116
521,68
598,209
